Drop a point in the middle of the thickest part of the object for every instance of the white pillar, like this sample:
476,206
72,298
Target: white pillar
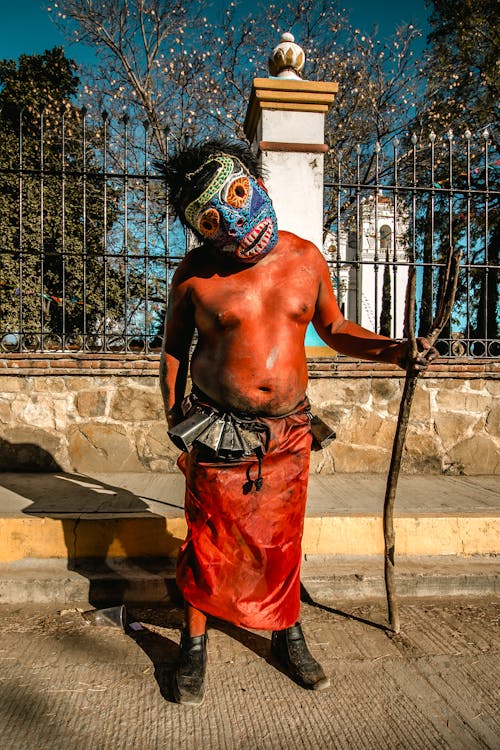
285,124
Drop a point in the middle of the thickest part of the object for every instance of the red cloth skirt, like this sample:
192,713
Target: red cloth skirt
241,558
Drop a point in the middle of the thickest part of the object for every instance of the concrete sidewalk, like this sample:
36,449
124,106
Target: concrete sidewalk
435,515
65,684
113,537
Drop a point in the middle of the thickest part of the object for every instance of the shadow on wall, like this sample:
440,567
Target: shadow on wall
100,525
25,457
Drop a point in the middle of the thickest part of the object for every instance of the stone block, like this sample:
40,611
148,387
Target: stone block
461,400
50,383
367,428
322,462
83,383
477,385
91,403
452,384
386,391
493,387
63,413
422,454
333,391
355,458
137,404
5,411
421,405
11,384
493,421
153,445
102,447
452,427
35,410
333,416
477,403
476,455
29,449
160,466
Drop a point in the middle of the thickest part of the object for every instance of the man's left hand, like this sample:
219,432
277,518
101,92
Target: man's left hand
426,355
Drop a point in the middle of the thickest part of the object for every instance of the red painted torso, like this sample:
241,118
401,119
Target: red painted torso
251,324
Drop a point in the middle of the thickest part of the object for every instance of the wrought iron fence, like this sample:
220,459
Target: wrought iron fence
87,246
409,203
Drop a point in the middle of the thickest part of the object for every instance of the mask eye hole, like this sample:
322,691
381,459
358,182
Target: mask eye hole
208,223
238,192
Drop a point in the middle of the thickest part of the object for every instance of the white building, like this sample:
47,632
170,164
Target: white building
378,245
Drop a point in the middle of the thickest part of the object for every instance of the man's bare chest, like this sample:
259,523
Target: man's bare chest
230,301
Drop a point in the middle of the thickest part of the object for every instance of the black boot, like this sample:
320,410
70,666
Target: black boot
189,676
290,649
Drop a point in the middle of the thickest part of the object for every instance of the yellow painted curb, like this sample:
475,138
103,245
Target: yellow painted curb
416,535
79,538
71,538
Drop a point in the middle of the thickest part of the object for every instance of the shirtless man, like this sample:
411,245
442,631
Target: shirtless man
249,292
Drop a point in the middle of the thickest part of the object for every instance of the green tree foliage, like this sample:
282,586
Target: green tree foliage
461,79
462,65
51,215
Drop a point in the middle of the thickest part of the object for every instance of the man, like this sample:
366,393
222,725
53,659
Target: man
249,291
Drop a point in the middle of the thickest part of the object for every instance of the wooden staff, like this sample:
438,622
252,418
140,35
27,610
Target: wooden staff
412,372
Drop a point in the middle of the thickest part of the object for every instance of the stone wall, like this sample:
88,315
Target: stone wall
87,414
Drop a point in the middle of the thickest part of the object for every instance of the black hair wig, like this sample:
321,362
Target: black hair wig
182,175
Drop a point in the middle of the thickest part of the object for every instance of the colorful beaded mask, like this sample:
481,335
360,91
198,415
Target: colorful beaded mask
234,212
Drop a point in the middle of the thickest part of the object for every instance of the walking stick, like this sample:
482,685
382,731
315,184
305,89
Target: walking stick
442,315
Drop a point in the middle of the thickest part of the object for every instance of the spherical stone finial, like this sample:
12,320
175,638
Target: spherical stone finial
287,59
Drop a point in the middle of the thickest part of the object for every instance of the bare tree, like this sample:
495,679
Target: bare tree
181,69
149,62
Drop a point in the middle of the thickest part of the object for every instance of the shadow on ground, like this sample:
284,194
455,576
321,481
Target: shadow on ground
96,519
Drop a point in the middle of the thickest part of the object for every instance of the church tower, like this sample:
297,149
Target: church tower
373,264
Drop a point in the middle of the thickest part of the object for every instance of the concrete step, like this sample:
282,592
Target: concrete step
73,517
324,580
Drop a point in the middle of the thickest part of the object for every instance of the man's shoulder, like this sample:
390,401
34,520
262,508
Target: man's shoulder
290,242
191,265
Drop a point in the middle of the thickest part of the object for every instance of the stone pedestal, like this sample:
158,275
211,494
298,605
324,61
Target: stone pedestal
285,125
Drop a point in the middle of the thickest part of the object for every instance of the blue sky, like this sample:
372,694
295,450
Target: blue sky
26,26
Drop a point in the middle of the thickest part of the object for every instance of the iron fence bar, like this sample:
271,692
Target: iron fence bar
146,238
63,226
125,121
413,246
375,256
407,264
358,292
167,222
468,135
339,168
42,230
90,254
84,226
105,229
486,136
432,230
390,187
21,232
357,185
451,241
98,175
395,213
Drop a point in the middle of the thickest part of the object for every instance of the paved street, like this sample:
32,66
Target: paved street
69,685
